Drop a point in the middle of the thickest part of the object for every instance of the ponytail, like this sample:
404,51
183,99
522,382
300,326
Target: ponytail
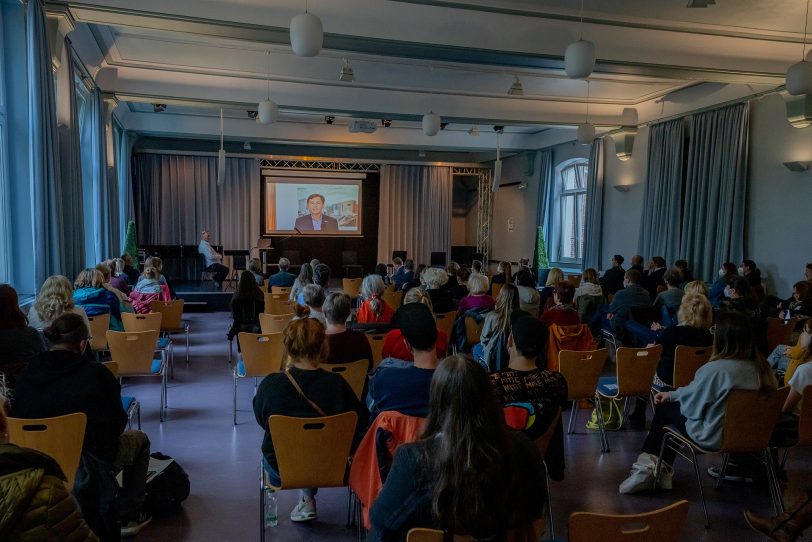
376,305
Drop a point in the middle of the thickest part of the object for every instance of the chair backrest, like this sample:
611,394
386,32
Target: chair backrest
750,418
274,323
805,419
779,331
171,313
312,452
635,369
445,322
588,305
354,372
663,525
112,366
277,304
421,534
581,370
575,280
141,322
281,290
262,354
473,329
376,344
99,325
61,437
389,287
133,351
393,298
687,361
352,287
495,289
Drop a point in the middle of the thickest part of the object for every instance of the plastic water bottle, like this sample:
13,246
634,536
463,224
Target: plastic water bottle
271,516
787,314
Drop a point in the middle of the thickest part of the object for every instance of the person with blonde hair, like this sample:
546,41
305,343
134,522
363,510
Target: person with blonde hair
255,268
90,294
393,344
590,284
477,298
303,390
434,280
374,309
696,287
491,351
54,299
546,295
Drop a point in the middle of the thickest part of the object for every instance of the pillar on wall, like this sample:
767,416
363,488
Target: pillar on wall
59,24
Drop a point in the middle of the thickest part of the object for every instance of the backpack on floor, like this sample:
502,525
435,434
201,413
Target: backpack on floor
612,415
166,489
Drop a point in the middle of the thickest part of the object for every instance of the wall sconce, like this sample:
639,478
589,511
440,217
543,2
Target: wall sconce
797,166
623,187
799,110
624,142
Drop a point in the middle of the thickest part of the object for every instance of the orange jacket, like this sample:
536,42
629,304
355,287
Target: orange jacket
577,338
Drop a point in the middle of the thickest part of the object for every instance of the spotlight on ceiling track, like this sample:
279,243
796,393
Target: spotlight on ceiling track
246,146
498,129
443,125
386,123
516,88
329,119
474,131
159,108
252,114
346,74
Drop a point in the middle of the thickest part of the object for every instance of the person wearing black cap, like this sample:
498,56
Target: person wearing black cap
612,279
401,385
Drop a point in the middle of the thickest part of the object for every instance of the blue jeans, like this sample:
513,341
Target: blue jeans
641,333
276,480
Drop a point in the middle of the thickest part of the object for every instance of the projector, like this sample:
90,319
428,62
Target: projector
362,126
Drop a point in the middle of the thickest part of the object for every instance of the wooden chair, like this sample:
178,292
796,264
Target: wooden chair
420,534
581,370
352,287
635,368
473,330
277,304
354,372
389,287
60,437
575,280
376,344
804,424
445,322
750,417
134,354
260,355
130,404
495,289
310,452
393,299
779,331
274,323
99,325
663,525
172,321
281,290
135,323
687,361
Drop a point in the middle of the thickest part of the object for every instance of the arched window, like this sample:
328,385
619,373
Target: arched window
571,190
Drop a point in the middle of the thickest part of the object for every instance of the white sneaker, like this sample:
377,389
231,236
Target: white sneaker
304,511
641,476
665,481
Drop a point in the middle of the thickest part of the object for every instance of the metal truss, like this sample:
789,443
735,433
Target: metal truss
319,164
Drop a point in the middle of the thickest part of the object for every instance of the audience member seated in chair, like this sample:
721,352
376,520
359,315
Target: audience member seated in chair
403,385
254,268
477,298
146,291
90,294
118,278
62,382
787,526
123,299
434,279
129,270
752,273
613,317
562,313
491,352
305,277
21,342
460,289
546,295
246,306
312,297
36,504
739,297
504,274
54,299
282,277
671,297
303,390
529,298
698,409
451,270
612,279
524,381
800,304
469,474
787,359
374,309
653,276
404,272
590,284
158,264
727,272
346,345
213,259
395,347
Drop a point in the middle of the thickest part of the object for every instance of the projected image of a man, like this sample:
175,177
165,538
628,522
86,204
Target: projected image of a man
316,220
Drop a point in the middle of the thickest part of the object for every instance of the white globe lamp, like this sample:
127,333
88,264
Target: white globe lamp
306,34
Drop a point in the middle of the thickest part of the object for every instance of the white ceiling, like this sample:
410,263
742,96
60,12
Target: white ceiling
457,58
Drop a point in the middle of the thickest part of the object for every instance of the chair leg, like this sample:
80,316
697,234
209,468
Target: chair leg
699,483
138,414
601,425
551,520
573,415
261,504
235,400
230,350
775,486
722,471
187,345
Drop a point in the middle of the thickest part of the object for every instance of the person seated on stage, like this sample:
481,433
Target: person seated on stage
404,385
21,342
254,268
129,270
118,279
316,220
346,345
434,279
246,306
469,473
62,382
304,390
404,272
312,297
305,277
54,299
563,313
213,259
613,317
393,344
282,277
477,298
374,309
90,294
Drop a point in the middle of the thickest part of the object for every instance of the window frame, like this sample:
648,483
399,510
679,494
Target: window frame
561,195
5,187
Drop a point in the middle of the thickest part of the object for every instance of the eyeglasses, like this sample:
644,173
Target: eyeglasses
713,329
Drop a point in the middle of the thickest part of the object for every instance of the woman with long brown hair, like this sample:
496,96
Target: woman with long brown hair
491,352
468,474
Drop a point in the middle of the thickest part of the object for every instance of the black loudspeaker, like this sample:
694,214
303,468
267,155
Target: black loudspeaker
438,259
463,254
479,256
399,254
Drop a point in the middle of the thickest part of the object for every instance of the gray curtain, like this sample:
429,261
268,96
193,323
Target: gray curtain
70,166
593,221
105,193
48,227
660,223
545,197
176,197
716,188
415,211
123,145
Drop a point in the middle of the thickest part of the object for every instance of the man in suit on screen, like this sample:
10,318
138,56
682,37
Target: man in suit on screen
316,220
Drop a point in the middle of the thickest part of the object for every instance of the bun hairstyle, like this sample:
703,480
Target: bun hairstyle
372,288
68,329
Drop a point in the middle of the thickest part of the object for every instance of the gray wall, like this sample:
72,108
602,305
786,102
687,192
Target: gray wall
510,203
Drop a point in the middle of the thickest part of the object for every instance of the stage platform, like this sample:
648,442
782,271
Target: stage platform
203,296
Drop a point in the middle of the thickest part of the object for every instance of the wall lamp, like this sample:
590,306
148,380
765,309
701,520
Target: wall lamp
623,187
797,166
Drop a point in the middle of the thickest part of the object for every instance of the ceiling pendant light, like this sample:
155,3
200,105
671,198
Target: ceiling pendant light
306,34
497,165
267,110
586,131
221,156
579,58
516,89
431,123
799,75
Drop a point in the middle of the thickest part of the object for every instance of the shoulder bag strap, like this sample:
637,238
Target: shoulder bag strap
315,407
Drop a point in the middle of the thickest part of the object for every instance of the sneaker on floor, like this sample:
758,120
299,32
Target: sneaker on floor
731,475
304,511
134,526
666,479
641,477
